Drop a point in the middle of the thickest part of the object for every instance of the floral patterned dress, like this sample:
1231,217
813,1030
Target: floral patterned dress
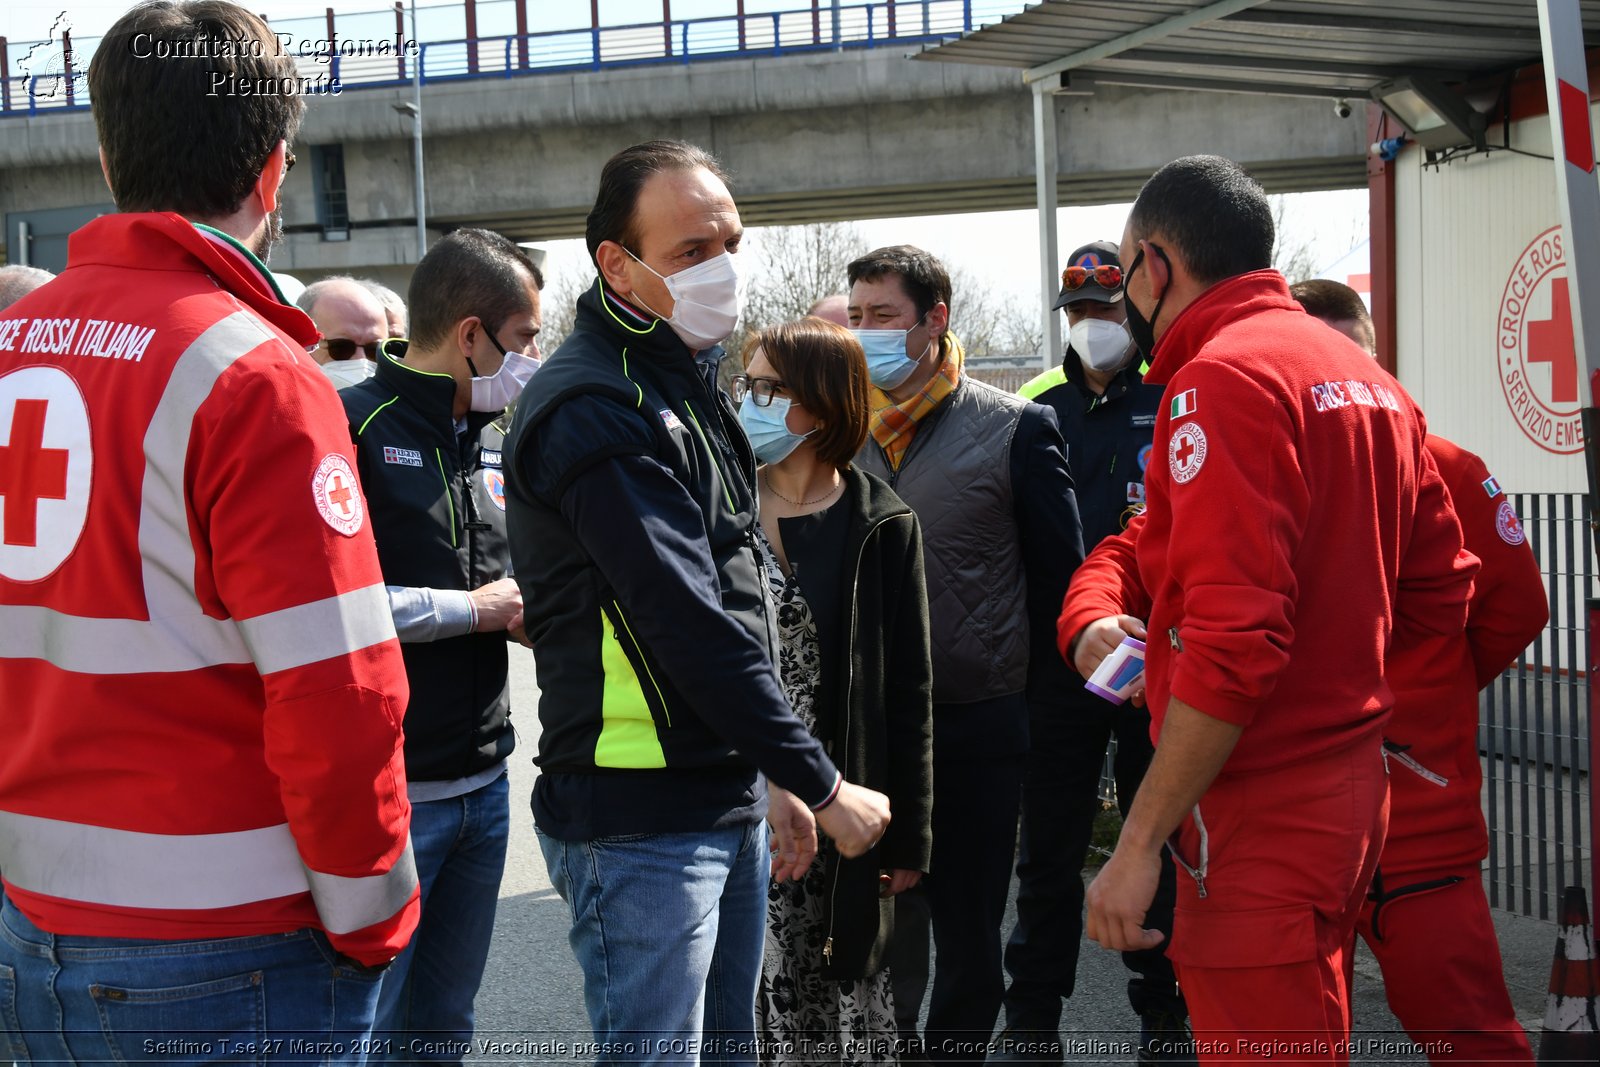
802,1018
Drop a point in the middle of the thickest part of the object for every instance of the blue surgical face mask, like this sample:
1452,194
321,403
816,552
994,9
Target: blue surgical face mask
888,365
768,429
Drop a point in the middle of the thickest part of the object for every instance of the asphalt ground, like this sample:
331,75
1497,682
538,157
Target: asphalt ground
530,1008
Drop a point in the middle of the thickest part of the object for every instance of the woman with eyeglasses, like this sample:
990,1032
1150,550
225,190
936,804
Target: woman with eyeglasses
843,560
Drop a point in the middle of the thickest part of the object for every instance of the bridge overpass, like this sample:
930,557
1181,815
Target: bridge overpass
835,128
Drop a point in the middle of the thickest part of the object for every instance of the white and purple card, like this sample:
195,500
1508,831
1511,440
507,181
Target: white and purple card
1120,673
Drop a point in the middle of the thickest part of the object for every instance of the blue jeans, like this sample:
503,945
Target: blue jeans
669,930
425,1005
256,999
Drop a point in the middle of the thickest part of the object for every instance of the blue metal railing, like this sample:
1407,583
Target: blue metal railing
39,77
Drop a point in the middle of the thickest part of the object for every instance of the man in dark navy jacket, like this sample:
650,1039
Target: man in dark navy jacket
428,443
1108,416
631,495
986,474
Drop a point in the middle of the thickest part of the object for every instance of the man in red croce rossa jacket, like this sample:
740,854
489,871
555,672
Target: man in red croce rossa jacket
1426,918
1294,521
203,816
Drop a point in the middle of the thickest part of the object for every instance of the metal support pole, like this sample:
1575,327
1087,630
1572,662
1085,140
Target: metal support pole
1045,172
399,40
1381,225
1566,79
1594,716
416,141
66,66
522,34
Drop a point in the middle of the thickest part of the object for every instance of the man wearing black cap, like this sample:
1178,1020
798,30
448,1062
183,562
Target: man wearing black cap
1108,416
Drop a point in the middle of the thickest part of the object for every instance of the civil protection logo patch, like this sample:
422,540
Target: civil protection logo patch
338,499
494,483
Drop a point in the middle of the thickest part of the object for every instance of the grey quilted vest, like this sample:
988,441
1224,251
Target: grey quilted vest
956,476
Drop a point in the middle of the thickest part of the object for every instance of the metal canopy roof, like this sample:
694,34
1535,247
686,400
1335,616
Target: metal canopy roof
1286,47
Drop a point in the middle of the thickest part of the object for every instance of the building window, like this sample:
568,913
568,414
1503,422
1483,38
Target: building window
327,182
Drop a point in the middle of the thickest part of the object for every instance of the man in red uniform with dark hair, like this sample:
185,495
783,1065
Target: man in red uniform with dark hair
204,827
1426,918
1294,524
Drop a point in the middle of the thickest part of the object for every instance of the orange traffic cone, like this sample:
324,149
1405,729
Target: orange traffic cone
1572,1016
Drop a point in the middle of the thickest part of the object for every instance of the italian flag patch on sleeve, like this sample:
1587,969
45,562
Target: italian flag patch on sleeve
1183,404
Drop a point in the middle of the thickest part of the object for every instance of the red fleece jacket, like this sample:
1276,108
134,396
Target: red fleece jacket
1294,522
1436,816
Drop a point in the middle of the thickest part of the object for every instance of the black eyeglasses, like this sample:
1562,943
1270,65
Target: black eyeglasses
288,161
341,348
761,390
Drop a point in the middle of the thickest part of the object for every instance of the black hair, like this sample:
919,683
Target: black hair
612,217
189,100
1211,212
921,274
469,273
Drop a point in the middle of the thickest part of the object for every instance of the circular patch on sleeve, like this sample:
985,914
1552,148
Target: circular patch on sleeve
494,483
1186,452
336,494
1144,458
1507,526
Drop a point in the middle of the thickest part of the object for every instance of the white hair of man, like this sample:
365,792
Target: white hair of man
17,281
394,307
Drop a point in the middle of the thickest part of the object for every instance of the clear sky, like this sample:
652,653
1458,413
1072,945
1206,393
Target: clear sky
999,248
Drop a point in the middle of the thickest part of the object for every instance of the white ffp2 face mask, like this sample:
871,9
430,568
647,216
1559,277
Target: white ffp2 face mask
492,392
1103,346
347,372
705,300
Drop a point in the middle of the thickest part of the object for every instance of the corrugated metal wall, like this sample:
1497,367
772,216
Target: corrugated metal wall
1461,231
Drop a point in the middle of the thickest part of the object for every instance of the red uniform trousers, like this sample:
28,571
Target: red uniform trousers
1284,858
1441,966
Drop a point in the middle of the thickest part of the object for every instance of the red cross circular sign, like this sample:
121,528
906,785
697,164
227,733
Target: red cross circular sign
1186,452
46,464
337,496
1534,351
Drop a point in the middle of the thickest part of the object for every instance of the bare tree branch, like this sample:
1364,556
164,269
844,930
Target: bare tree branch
1292,254
558,303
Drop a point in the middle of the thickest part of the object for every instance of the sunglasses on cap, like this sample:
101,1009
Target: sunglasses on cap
343,348
1106,275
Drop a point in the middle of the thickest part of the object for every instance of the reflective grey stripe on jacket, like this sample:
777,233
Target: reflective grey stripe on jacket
190,872
956,475
277,641
178,635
